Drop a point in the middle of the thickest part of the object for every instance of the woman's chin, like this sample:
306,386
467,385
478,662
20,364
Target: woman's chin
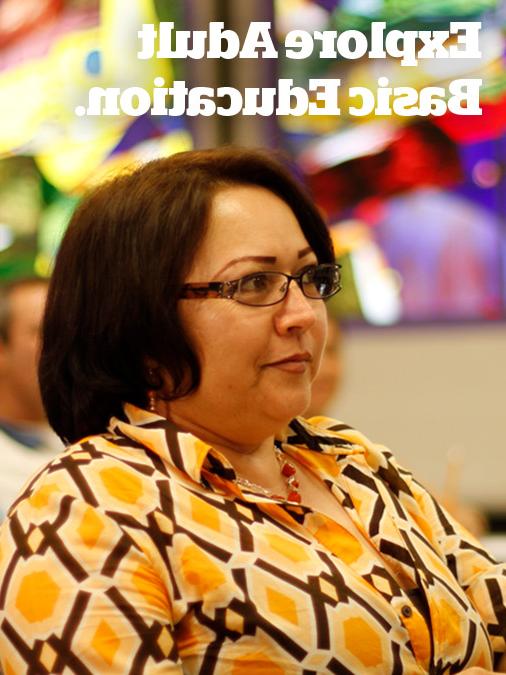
289,407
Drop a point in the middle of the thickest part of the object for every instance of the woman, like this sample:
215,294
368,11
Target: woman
197,524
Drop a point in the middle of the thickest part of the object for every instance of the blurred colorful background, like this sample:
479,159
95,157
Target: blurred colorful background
420,201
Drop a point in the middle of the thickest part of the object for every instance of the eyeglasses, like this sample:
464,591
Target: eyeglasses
262,289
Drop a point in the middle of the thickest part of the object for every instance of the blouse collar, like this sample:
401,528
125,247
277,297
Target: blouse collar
189,454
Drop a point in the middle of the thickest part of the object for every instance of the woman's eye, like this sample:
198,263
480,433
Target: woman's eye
254,283
309,271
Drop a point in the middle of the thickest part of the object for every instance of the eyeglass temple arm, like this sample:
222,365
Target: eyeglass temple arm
214,289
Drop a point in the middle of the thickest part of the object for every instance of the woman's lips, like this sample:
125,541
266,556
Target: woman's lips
295,363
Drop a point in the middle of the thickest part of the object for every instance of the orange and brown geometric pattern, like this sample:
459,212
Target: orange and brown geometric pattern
135,552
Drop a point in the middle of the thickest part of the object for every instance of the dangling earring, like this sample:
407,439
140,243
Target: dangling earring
151,394
151,401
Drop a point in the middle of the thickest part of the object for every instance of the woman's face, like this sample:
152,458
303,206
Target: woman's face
257,363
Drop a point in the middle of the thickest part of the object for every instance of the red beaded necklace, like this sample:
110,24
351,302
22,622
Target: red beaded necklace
289,473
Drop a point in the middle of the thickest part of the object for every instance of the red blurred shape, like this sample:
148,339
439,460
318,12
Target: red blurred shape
474,128
422,155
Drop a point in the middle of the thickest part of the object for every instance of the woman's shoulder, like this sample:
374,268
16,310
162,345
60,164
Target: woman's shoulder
331,433
339,432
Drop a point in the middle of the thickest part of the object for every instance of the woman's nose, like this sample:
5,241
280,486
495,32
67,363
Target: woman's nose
295,312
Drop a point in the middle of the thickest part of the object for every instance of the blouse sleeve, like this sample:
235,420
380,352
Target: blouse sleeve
480,576
81,591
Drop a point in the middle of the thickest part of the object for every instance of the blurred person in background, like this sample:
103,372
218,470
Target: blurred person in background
325,391
26,440
327,383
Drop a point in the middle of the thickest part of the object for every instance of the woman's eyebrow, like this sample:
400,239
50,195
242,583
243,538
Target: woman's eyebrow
267,259
304,252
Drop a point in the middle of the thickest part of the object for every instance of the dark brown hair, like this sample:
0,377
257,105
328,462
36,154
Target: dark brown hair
113,296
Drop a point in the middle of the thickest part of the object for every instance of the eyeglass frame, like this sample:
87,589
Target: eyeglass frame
227,289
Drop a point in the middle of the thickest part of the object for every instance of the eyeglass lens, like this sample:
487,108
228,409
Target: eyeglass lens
265,288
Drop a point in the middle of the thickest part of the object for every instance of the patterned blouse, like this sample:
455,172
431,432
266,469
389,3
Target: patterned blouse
136,552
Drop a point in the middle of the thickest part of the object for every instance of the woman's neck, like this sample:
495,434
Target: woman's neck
254,460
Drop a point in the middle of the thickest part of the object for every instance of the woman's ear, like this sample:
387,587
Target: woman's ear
158,379
153,372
